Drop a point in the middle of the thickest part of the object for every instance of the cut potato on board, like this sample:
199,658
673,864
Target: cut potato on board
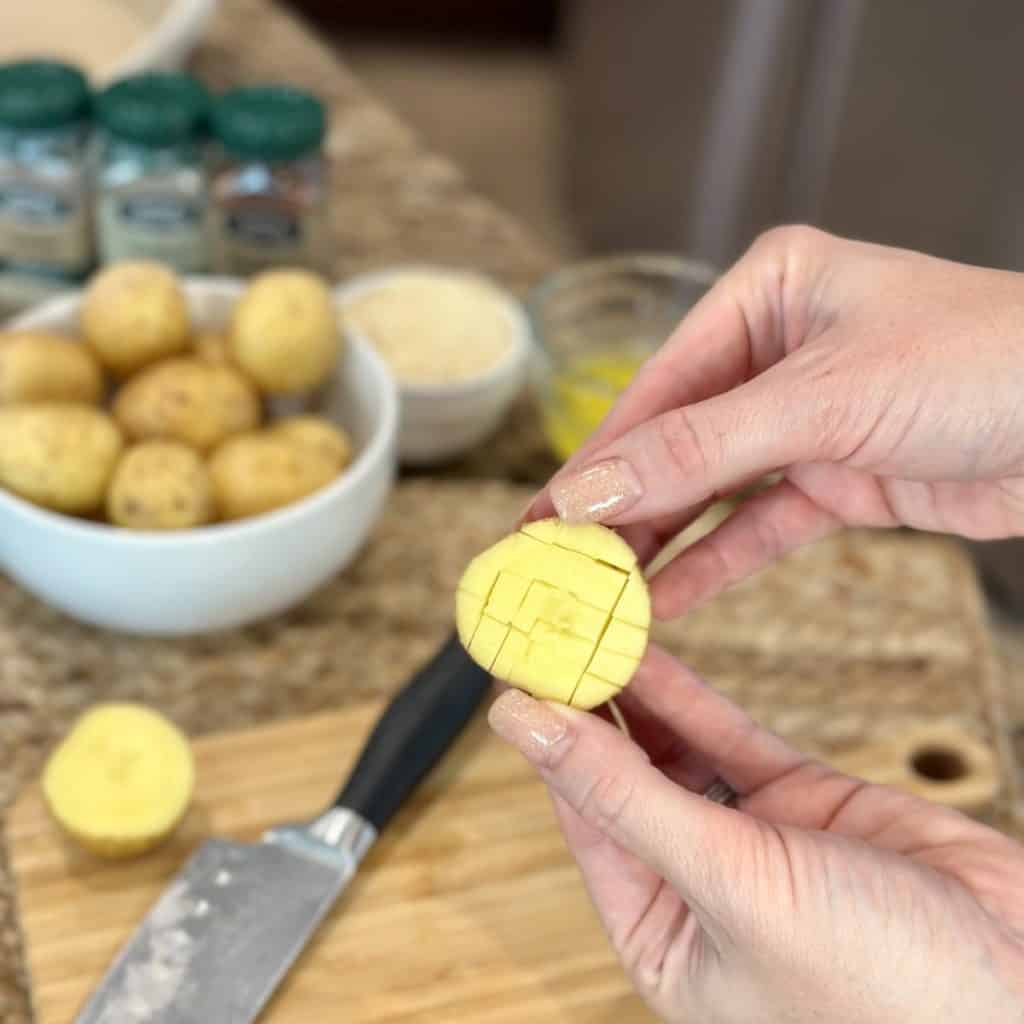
121,780
561,611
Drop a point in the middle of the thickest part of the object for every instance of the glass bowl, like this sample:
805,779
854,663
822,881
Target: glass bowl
594,325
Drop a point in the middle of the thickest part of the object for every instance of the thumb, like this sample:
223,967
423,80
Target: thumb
688,455
694,844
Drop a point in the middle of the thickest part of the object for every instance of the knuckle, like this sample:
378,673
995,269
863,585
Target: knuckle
605,803
790,238
687,445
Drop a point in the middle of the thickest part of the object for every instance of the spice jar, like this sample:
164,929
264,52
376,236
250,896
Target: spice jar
45,222
270,188
152,194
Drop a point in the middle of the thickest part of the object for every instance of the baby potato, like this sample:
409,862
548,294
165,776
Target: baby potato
260,471
38,366
213,347
160,485
133,314
317,433
60,455
284,332
187,400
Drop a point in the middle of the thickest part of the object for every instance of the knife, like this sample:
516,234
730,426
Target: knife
223,934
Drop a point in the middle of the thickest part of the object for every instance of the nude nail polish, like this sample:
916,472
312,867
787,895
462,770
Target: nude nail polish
597,493
531,726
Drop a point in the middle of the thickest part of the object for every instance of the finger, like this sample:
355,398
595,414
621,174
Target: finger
608,781
621,886
789,414
761,530
685,725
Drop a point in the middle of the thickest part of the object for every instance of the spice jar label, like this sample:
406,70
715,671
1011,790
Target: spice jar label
44,227
156,226
252,236
263,227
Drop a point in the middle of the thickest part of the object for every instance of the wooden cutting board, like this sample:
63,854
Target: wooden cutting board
867,649
469,909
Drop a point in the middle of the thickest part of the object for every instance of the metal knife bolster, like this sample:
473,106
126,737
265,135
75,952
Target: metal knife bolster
340,838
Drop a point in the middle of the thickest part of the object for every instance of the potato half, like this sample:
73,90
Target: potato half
559,610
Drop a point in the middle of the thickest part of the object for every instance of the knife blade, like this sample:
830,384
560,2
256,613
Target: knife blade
229,927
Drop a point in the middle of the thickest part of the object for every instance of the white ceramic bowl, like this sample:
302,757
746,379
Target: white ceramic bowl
438,423
220,576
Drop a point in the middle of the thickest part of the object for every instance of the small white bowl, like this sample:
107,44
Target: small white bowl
440,422
221,576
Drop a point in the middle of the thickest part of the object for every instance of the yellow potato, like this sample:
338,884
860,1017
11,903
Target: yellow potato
60,455
160,485
121,780
37,366
133,314
319,434
284,332
185,399
213,347
258,472
560,611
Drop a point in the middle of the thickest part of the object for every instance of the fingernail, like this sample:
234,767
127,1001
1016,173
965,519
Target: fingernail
597,493
534,728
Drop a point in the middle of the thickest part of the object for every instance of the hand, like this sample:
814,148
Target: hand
885,385
821,898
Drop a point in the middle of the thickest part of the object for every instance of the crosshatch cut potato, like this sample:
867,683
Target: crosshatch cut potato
561,611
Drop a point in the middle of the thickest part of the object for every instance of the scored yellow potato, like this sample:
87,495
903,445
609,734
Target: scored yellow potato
318,433
284,332
121,780
160,485
187,400
37,366
260,472
133,314
60,455
561,611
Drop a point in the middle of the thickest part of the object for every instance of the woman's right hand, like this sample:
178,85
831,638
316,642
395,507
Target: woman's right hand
885,385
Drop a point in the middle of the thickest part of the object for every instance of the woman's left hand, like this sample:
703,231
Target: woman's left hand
821,898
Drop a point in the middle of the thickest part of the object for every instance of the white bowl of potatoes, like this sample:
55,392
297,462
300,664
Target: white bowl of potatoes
150,480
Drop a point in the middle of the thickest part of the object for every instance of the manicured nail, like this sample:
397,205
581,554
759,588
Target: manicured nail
534,728
597,493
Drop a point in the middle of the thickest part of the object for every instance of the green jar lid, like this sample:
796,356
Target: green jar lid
269,122
158,108
42,95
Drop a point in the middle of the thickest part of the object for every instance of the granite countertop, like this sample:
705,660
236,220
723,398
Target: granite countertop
393,202
873,625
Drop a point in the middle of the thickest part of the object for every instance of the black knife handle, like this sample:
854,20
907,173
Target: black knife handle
413,733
